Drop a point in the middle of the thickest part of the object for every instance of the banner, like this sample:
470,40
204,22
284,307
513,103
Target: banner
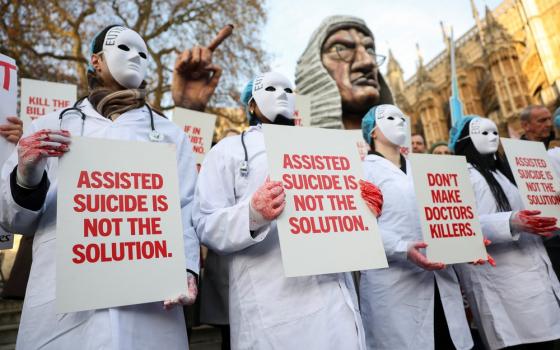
41,97
326,226
536,180
199,127
302,113
119,232
8,100
447,207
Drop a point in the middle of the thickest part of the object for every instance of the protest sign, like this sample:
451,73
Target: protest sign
326,226
358,138
199,127
119,231
302,112
536,180
41,97
8,100
447,207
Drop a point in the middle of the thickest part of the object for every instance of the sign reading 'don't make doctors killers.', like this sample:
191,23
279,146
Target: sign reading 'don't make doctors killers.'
447,206
119,230
536,180
326,226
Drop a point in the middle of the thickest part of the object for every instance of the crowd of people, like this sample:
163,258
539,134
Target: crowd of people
230,208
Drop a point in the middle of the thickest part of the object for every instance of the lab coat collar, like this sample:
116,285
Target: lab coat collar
133,114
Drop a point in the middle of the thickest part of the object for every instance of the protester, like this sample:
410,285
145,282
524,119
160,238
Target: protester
235,210
339,69
415,303
439,148
115,108
517,302
536,121
418,143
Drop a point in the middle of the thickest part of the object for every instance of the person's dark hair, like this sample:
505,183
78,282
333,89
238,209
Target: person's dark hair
525,115
485,164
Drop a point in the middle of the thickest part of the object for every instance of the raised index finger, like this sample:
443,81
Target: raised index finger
222,35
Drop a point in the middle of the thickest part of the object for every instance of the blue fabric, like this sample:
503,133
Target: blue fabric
457,129
246,96
368,123
91,44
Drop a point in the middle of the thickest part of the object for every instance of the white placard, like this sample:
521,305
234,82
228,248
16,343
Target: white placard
447,207
302,112
119,236
8,100
6,240
41,97
536,180
358,138
199,127
326,226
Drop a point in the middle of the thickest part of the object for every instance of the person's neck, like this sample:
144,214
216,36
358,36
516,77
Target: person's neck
352,120
390,152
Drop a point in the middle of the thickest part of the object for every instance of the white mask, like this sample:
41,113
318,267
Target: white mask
391,121
274,95
484,135
126,56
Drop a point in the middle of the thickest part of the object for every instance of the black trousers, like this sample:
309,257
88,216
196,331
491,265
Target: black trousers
442,338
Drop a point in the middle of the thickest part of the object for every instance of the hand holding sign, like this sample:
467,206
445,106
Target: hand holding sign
267,203
188,299
195,77
420,259
12,130
34,150
373,197
489,257
530,221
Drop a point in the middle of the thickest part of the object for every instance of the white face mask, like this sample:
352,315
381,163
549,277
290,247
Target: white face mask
484,135
126,56
274,95
391,121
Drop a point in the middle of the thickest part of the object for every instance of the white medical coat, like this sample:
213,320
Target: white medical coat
517,301
267,310
554,154
143,326
397,303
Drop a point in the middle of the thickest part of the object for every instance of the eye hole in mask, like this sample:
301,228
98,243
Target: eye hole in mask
288,90
391,118
143,55
124,47
270,88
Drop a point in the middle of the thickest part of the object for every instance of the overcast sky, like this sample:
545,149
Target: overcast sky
397,24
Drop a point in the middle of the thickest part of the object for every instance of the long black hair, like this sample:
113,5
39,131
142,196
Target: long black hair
485,164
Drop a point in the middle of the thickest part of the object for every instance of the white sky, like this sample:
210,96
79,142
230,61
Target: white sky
397,24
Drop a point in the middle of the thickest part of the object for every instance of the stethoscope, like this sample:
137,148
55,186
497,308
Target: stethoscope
244,167
76,111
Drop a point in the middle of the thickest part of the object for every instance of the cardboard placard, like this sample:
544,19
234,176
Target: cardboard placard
199,127
326,226
447,207
536,179
302,113
42,97
119,227
8,100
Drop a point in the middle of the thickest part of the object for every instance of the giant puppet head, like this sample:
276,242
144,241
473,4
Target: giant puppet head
339,69
125,53
389,120
273,96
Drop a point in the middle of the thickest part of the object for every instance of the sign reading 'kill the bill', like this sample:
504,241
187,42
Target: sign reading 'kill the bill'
447,206
42,97
536,180
326,226
119,231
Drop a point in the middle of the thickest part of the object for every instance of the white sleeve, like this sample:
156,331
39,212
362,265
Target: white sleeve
187,181
222,223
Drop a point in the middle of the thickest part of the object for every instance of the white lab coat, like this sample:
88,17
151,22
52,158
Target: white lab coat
144,326
267,310
397,303
554,155
517,301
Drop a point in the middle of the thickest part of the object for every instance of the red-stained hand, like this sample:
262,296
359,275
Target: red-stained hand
420,259
184,299
269,200
489,257
12,130
373,197
195,78
530,221
34,150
